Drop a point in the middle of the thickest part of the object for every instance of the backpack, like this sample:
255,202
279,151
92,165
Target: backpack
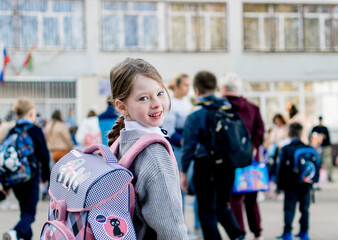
92,196
306,164
16,156
228,138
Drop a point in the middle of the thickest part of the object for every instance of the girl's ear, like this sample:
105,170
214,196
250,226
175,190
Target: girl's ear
121,107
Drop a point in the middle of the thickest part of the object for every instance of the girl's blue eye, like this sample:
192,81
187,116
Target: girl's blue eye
160,93
143,98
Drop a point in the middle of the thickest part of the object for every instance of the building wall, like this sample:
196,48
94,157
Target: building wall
91,65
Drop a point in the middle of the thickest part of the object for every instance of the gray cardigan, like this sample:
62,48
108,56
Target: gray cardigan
158,204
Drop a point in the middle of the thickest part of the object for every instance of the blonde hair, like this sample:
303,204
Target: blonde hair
22,106
122,78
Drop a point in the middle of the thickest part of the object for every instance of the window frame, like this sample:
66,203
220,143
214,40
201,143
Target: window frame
280,33
39,17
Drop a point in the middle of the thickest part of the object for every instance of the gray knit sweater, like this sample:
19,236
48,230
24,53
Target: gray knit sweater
158,204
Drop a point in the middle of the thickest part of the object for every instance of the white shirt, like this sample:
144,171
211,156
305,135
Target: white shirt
133,125
175,118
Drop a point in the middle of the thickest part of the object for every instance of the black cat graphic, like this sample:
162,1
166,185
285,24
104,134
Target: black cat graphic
115,223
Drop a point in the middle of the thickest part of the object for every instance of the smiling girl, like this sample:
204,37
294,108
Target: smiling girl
140,96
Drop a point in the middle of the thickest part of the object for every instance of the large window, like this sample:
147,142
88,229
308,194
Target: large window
45,23
163,26
290,27
197,26
131,25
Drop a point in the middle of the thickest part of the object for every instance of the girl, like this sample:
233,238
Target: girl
140,96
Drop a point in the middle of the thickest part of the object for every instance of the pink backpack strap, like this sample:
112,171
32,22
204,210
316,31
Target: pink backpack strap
114,148
143,142
105,151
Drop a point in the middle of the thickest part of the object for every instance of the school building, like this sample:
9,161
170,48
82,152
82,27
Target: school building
284,50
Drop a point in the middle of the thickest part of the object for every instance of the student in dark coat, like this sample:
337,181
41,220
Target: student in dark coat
294,191
230,88
27,193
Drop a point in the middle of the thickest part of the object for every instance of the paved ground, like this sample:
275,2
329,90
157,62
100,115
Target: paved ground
323,215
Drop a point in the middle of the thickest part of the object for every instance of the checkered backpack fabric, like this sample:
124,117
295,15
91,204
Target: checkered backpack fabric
92,196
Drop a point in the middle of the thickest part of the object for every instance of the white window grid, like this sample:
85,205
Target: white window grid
301,16
40,15
121,45
163,14
189,15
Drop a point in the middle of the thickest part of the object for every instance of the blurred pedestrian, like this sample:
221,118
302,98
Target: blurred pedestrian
107,120
212,184
174,124
296,116
231,86
58,136
326,149
89,131
71,120
294,189
27,193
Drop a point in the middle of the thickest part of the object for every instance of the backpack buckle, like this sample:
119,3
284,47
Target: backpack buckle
60,210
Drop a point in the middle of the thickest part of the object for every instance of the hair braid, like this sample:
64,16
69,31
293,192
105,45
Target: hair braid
115,132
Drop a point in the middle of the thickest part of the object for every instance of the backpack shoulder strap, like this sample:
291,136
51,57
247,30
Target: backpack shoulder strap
143,142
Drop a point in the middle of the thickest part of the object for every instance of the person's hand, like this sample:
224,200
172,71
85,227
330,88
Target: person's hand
307,180
184,182
254,152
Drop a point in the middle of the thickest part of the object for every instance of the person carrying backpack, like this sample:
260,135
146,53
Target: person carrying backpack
139,95
213,177
298,169
231,86
27,191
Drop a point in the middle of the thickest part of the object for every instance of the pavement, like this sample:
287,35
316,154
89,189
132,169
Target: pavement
323,215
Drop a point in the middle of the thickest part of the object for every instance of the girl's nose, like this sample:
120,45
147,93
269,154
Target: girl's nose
155,103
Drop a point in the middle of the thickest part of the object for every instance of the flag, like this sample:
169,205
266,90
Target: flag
4,60
29,59
29,62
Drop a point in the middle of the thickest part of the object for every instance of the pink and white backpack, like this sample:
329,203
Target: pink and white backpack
92,197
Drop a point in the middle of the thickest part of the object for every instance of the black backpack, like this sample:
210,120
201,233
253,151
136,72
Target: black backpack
228,138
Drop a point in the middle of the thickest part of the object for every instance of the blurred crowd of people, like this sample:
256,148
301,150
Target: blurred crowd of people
185,129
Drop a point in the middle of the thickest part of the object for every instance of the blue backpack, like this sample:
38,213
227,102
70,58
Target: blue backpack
306,164
16,153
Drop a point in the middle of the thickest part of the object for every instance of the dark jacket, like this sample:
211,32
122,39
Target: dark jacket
251,117
195,134
286,178
40,149
323,130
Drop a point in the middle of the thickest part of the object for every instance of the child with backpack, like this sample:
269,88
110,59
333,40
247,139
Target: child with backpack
140,96
26,191
298,169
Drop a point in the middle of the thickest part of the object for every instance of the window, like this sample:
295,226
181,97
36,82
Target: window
197,26
131,25
47,23
290,27
161,26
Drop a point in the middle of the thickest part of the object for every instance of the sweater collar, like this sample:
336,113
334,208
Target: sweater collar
133,125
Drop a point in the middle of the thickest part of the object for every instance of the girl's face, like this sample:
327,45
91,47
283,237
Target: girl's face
146,103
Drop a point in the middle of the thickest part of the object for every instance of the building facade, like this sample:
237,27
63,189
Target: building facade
285,51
